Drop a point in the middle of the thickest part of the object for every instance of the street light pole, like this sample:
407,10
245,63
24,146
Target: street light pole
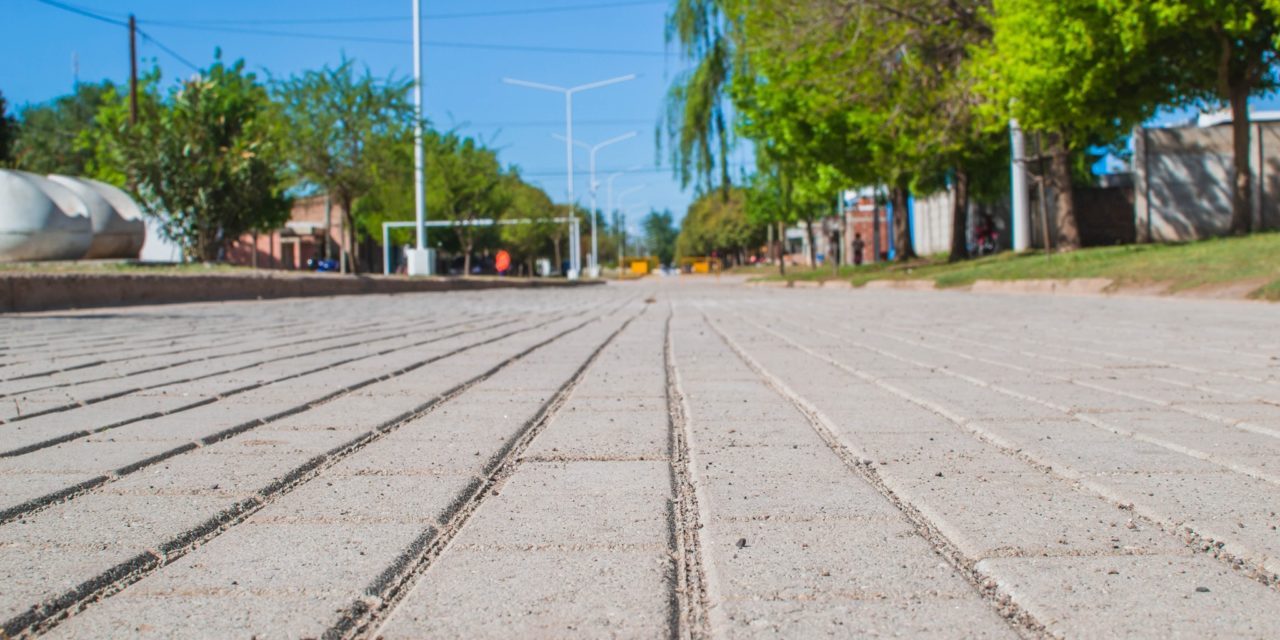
595,186
419,259
575,255
621,197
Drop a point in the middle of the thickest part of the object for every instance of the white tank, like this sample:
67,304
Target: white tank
41,219
118,229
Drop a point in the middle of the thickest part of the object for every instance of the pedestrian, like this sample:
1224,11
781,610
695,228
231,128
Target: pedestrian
858,246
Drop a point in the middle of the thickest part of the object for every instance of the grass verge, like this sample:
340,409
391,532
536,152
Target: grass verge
1251,260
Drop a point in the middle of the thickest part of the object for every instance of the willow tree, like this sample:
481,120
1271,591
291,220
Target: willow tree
697,121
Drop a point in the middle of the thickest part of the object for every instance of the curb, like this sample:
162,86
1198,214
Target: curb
48,292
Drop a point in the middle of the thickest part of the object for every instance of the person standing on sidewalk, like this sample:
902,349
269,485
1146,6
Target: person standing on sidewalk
858,247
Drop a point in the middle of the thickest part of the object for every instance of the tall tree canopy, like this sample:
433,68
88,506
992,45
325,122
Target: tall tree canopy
333,121
465,184
715,224
50,138
8,132
202,158
660,235
836,92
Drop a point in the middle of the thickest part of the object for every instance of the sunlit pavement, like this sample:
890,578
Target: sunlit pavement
678,456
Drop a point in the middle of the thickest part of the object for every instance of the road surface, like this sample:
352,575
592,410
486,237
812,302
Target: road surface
666,458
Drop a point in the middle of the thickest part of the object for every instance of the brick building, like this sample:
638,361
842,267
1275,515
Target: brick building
299,240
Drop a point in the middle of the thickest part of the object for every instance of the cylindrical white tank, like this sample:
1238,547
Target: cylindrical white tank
118,229
41,220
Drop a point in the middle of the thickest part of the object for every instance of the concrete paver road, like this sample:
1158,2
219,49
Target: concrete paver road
665,458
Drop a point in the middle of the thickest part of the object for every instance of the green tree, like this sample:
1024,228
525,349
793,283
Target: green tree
1229,50
50,138
8,132
769,205
1070,71
696,123
528,241
869,92
465,184
660,235
718,224
333,120
202,159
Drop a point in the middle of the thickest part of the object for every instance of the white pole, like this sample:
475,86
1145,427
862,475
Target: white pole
418,261
575,255
386,249
595,244
594,264
1021,218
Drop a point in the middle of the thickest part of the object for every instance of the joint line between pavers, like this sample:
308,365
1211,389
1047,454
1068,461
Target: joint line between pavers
80,598
66,495
366,615
694,592
238,390
244,389
1019,619
209,358
1192,539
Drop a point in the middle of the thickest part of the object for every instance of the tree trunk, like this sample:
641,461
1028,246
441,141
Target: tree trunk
813,244
899,196
1059,179
1242,194
328,225
782,249
555,244
959,217
353,237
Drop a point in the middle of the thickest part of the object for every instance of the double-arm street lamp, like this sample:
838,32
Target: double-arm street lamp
595,186
575,254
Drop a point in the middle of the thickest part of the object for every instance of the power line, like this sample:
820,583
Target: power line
149,38
551,123
400,18
560,173
84,12
441,44
81,11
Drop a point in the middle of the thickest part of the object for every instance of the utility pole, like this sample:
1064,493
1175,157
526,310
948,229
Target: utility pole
133,70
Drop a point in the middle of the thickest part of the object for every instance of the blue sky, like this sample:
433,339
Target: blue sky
463,86
40,45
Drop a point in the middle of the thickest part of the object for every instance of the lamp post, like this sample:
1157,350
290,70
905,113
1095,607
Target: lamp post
622,196
595,186
419,260
575,256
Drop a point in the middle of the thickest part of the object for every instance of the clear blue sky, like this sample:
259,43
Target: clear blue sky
38,44
464,86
